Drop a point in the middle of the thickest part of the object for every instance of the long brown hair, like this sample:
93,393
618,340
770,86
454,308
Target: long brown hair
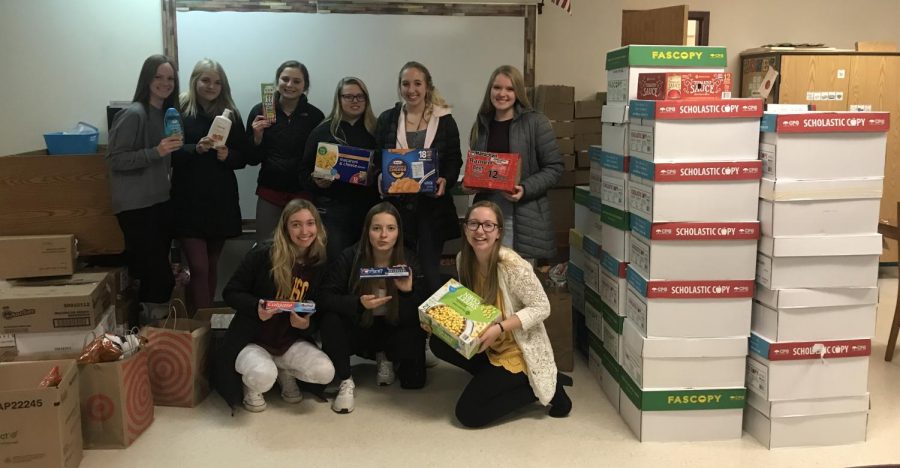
468,263
487,107
432,96
145,78
365,257
285,254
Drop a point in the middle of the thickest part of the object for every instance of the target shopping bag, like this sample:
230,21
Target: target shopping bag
178,349
116,402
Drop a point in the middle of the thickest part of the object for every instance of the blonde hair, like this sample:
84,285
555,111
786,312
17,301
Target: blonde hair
337,112
432,96
285,254
189,102
468,263
487,107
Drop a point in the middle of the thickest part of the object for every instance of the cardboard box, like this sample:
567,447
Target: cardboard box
666,56
568,162
409,171
492,171
582,177
818,261
815,145
593,360
37,256
566,146
613,285
674,86
562,208
558,110
66,341
622,83
606,368
833,189
612,334
582,160
595,181
616,233
575,283
41,426
814,323
563,128
584,141
669,191
592,125
343,163
593,317
582,199
669,415
796,423
591,274
457,316
688,309
808,369
74,303
693,251
683,362
665,131
818,217
552,94
588,108
116,401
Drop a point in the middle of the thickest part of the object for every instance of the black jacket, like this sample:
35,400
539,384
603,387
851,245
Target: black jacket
440,212
282,145
251,282
204,189
355,135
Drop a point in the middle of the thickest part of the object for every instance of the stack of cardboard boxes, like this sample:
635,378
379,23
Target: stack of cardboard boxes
588,131
817,270
558,104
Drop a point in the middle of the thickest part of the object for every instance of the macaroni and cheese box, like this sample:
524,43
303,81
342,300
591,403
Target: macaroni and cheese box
405,171
457,316
343,163
492,171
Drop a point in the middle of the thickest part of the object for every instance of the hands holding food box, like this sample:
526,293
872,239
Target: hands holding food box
458,317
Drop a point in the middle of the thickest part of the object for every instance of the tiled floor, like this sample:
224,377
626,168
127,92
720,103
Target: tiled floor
393,427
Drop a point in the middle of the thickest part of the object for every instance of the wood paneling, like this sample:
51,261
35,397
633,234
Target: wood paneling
814,73
664,26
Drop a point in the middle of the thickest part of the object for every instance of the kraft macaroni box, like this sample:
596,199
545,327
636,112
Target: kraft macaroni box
408,171
674,86
343,163
492,171
457,316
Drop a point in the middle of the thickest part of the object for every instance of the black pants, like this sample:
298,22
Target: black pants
343,223
148,237
403,343
493,391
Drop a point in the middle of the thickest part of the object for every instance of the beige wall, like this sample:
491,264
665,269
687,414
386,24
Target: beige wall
572,49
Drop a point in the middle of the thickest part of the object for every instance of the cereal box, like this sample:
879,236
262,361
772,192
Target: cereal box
409,171
457,316
492,171
666,86
343,163
268,100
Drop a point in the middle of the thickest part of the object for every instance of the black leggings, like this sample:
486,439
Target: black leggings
493,391
148,237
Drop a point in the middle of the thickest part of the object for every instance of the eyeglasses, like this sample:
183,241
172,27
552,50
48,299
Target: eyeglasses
487,226
354,97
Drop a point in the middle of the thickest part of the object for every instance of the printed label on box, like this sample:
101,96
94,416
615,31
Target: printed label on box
614,162
343,163
615,217
767,157
824,122
609,290
704,171
409,171
697,231
688,400
640,255
706,289
631,364
612,192
792,351
613,265
673,86
492,171
610,340
591,247
666,56
764,270
636,310
617,91
700,109
757,377
640,141
640,199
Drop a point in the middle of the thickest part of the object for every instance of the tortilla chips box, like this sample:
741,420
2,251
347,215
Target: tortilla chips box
343,163
405,171
457,316
492,171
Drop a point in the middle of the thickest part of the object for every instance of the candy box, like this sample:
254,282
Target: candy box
343,163
405,171
457,316
671,86
492,171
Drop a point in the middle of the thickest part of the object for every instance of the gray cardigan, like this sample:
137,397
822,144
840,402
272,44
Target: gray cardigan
138,176
531,135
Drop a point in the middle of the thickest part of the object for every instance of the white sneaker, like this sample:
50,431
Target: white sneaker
343,402
385,375
290,392
254,401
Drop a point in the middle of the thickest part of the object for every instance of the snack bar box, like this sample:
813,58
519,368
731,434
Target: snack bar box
791,262
670,191
613,285
607,370
683,362
814,314
818,145
614,138
681,415
614,180
817,422
695,131
693,251
834,217
689,309
681,85
616,232
796,370
624,65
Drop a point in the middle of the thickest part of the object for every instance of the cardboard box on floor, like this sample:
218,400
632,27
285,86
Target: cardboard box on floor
73,303
41,426
563,128
37,256
795,423
66,342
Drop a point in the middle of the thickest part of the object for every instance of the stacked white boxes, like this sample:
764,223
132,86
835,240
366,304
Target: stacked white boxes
692,201
817,269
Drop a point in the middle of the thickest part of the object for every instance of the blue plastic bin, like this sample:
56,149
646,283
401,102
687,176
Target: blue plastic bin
61,143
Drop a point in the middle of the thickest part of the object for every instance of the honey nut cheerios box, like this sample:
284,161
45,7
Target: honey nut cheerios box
343,163
457,316
406,171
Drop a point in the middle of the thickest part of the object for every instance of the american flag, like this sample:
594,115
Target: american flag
564,4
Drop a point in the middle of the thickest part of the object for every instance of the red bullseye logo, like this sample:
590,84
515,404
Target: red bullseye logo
138,398
98,408
171,372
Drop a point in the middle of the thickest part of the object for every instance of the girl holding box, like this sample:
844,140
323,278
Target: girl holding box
506,123
278,144
342,205
204,188
262,345
139,160
515,365
377,315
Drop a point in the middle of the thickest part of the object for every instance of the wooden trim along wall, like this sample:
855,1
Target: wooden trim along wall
528,12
